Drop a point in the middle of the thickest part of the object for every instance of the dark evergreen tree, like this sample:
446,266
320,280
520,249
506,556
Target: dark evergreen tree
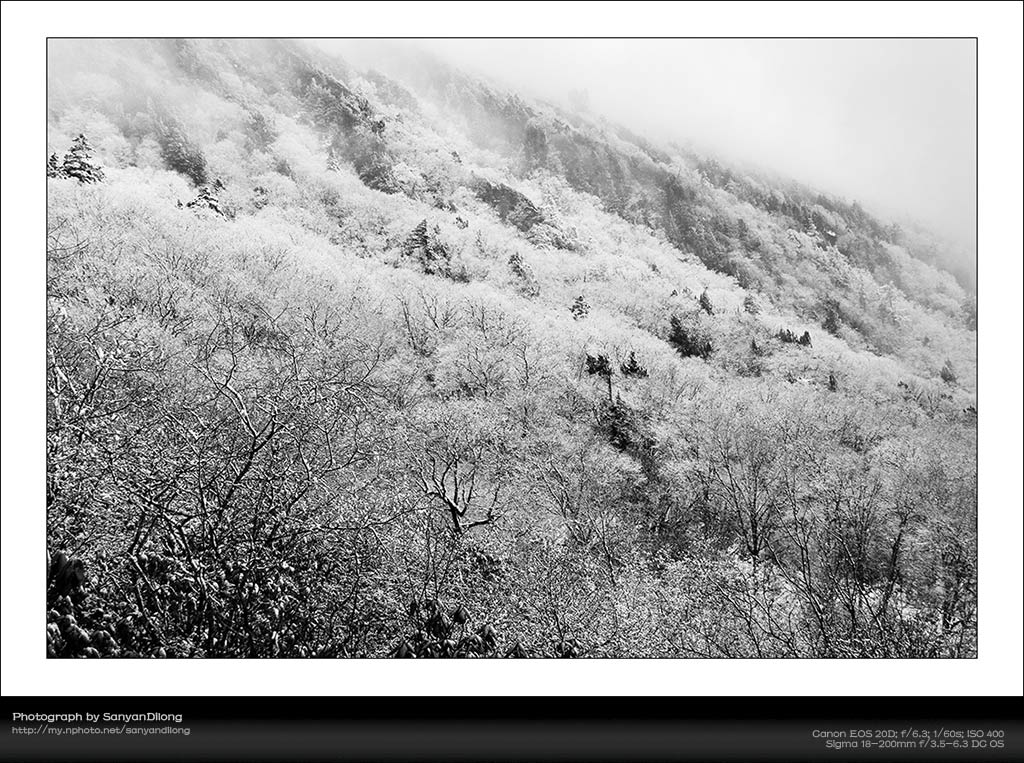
787,336
948,373
705,303
805,339
535,147
429,249
580,308
832,316
616,420
53,167
633,368
77,162
688,345
417,240
180,154
600,366
206,200
438,255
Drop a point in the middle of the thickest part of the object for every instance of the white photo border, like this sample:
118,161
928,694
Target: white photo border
25,670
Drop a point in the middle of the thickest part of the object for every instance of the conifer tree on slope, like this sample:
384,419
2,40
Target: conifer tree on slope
53,167
77,164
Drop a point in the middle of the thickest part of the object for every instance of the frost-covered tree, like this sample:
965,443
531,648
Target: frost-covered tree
259,131
579,100
970,310
522,270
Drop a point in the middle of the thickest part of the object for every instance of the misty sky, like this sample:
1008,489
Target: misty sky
890,123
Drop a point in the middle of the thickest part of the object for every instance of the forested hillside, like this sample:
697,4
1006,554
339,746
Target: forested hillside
351,364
